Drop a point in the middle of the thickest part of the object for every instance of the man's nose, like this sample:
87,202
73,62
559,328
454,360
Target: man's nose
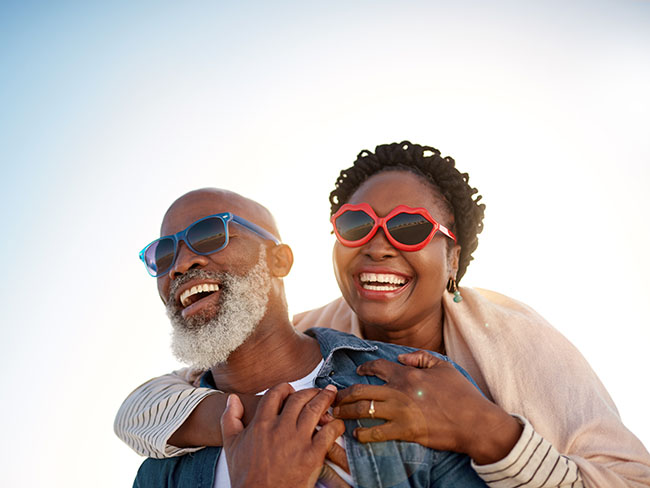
186,260
379,247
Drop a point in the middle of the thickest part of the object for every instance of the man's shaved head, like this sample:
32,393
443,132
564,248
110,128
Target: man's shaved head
216,200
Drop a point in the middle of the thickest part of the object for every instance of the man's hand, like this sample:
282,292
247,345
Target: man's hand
280,447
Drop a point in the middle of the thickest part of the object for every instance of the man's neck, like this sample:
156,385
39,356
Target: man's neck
274,353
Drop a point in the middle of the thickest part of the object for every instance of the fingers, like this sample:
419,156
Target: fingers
296,402
379,367
384,432
358,410
329,478
314,410
325,438
418,359
363,392
231,420
326,418
271,403
336,454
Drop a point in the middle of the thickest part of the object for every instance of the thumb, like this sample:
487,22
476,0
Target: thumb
418,359
231,420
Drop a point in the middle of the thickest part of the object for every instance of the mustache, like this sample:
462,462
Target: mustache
190,275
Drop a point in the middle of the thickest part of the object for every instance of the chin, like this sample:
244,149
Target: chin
378,318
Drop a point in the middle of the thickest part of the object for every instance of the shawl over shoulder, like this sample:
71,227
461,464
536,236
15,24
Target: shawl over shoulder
528,368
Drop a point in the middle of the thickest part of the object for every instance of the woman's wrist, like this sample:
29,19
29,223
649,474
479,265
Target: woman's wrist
202,427
495,432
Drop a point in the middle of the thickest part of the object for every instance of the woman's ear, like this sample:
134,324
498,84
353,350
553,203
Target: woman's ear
453,259
280,260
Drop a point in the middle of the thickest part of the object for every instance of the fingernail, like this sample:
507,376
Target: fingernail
336,411
228,401
331,388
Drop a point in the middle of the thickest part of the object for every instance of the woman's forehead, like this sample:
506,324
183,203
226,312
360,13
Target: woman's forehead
386,190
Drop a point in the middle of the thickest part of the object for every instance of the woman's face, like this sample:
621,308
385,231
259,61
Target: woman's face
387,287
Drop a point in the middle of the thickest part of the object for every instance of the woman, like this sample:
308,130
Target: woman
406,223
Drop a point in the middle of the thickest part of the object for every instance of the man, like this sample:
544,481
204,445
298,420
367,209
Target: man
219,267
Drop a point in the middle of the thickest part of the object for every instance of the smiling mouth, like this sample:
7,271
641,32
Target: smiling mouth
381,281
197,292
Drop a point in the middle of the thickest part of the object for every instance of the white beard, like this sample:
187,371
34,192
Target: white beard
203,343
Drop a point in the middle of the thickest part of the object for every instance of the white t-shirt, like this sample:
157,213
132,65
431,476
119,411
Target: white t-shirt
222,479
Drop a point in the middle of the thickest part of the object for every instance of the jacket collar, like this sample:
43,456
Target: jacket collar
329,340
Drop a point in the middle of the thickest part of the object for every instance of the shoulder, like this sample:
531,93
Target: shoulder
494,316
528,366
193,470
491,323
336,314
334,342
483,300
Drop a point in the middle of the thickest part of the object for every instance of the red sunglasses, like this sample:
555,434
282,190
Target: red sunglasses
406,228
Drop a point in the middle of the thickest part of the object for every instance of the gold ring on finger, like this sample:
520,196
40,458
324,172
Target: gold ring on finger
371,410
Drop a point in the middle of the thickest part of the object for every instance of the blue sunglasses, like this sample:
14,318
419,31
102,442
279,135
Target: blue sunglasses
205,236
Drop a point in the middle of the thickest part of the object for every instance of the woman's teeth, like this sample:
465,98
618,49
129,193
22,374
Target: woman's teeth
188,296
381,281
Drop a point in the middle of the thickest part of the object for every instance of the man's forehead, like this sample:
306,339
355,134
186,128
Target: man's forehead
210,201
198,204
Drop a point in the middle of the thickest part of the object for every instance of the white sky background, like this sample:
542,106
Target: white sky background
110,112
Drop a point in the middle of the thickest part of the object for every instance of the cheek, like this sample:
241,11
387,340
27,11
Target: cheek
433,266
341,256
163,288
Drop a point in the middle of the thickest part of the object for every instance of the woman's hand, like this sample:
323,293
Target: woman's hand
428,401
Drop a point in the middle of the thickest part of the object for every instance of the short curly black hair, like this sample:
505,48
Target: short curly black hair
440,172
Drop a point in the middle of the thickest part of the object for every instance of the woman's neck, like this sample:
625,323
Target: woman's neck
424,334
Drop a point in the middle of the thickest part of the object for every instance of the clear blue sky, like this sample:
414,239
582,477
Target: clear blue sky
110,110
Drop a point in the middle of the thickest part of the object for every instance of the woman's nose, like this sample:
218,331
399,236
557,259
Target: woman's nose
379,247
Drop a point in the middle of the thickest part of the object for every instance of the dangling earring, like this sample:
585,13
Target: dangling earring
453,288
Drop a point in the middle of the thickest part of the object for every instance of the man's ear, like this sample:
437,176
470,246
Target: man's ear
280,260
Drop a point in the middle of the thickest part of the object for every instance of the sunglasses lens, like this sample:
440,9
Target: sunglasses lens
208,235
354,225
159,256
409,229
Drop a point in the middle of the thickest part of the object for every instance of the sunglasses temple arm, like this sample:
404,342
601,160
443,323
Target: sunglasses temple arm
447,232
255,228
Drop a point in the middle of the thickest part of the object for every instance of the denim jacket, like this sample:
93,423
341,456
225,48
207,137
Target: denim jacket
377,464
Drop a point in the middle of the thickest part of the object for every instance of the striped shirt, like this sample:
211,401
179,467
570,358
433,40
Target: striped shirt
532,462
153,412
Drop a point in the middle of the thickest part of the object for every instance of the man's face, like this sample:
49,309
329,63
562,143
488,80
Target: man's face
214,302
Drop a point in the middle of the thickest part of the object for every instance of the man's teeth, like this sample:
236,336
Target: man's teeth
206,287
381,282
